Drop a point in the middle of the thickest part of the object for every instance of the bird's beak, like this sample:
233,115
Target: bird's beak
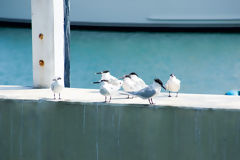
99,72
164,88
96,82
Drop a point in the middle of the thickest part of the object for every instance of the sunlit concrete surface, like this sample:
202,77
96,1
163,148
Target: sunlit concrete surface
93,96
33,126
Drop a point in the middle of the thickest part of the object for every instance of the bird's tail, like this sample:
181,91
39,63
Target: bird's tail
132,93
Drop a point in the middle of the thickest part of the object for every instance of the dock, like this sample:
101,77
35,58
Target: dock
80,95
81,126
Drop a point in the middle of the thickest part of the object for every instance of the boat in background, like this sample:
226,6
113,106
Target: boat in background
147,13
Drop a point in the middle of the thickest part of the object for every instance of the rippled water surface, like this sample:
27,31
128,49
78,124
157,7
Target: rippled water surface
204,62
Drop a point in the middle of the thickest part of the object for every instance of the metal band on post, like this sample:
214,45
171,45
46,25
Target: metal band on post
66,43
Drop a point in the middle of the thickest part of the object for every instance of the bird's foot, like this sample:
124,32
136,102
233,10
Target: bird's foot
169,96
177,94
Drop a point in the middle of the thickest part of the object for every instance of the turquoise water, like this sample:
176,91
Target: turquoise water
204,62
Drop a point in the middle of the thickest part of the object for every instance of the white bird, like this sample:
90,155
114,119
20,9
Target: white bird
150,91
57,86
139,83
106,89
173,84
111,79
128,84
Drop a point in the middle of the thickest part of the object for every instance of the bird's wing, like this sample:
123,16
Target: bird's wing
128,85
138,85
52,86
145,92
178,81
177,84
113,78
114,81
166,85
141,82
113,87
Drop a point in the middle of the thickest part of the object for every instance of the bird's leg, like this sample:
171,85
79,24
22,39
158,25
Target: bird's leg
128,97
149,101
110,99
54,95
105,99
169,94
177,94
152,101
59,96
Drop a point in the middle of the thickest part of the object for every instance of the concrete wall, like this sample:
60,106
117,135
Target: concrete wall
45,130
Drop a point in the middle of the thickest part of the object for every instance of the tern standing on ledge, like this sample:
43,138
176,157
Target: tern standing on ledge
128,84
111,79
139,83
57,86
173,84
150,91
106,89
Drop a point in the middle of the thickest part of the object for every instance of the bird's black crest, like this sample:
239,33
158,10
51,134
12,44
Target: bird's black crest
133,73
105,71
104,80
157,80
172,75
127,76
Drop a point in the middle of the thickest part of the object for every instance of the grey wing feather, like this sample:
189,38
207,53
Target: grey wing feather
52,87
144,93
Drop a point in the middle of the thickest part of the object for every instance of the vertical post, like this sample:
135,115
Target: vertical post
47,41
67,43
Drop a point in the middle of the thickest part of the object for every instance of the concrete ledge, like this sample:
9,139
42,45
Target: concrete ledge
194,127
93,96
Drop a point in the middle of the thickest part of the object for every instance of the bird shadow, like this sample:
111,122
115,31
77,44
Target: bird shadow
15,88
121,98
52,99
94,91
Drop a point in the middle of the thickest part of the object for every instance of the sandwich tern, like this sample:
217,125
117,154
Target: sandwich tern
111,79
150,91
139,83
173,84
106,89
128,84
57,86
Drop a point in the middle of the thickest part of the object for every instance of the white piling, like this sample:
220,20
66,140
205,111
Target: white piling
47,41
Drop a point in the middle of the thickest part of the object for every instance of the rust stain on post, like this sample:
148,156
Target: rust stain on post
41,36
41,63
